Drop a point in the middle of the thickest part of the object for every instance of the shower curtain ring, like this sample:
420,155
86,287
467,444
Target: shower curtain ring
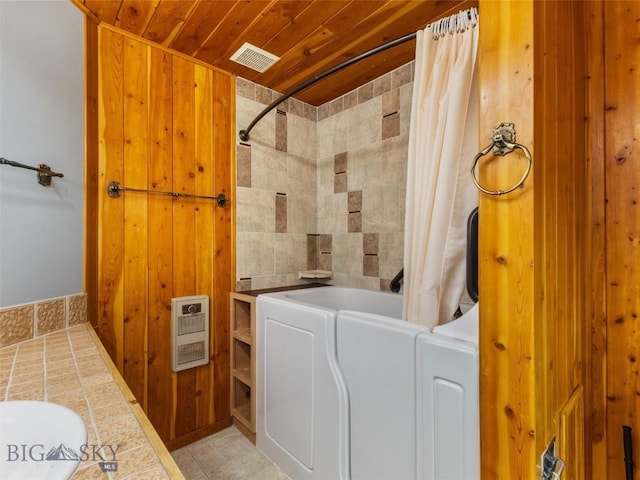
502,143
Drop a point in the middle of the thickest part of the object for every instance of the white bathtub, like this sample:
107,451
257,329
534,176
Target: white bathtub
346,390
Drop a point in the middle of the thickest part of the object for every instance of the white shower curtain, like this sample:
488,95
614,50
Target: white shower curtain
443,140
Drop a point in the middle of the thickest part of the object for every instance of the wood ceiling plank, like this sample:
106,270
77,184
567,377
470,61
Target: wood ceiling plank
134,15
272,20
303,25
310,36
237,24
167,20
203,20
300,62
105,10
378,29
354,13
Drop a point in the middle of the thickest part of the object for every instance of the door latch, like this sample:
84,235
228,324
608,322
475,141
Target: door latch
551,467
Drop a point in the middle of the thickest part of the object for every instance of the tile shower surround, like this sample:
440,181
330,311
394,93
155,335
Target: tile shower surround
323,188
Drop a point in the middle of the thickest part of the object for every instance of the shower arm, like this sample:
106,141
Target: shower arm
244,134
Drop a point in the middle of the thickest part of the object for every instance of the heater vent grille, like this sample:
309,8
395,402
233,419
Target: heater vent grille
191,352
189,332
253,57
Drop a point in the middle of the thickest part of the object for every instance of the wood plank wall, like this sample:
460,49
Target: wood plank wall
533,241
621,108
561,229
507,374
161,122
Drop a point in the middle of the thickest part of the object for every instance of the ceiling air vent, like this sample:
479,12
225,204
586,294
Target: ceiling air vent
254,57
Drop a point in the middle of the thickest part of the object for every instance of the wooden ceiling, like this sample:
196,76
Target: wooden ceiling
309,36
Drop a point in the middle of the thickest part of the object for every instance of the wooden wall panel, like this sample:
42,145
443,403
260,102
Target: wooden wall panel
532,241
111,166
507,375
184,221
224,264
166,125
561,227
622,163
159,244
91,172
596,360
136,128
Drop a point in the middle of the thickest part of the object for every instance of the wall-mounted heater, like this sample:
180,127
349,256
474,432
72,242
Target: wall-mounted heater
189,332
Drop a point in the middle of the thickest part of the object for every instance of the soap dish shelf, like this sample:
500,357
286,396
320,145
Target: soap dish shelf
315,274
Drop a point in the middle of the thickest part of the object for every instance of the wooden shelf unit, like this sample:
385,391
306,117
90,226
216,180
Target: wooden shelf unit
243,363
243,356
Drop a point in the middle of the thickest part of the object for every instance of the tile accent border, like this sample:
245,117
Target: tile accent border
31,320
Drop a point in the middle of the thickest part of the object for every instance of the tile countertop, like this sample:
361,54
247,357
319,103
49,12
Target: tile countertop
71,368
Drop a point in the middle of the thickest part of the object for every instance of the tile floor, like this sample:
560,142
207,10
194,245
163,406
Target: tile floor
226,455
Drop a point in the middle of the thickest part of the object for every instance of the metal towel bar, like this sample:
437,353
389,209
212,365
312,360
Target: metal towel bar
114,189
44,171
502,143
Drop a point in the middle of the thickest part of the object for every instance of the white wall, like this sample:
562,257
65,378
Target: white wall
41,121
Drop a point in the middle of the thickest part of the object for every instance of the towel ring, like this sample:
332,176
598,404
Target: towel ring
502,143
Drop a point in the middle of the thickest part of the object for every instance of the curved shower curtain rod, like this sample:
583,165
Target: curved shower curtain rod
244,134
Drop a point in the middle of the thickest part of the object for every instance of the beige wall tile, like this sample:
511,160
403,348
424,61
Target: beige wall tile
301,214
354,202
245,88
243,285
347,253
333,134
16,324
355,222
406,99
290,253
301,175
332,213
382,85
391,253
255,254
51,315
364,127
365,92
391,102
325,176
370,266
77,309
296,107
365,167
340,162
325,262
263,95
281,131
391,126
268,169
255,210
402,76
340,182
370,243
281,213
313,251
243,168
302,137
